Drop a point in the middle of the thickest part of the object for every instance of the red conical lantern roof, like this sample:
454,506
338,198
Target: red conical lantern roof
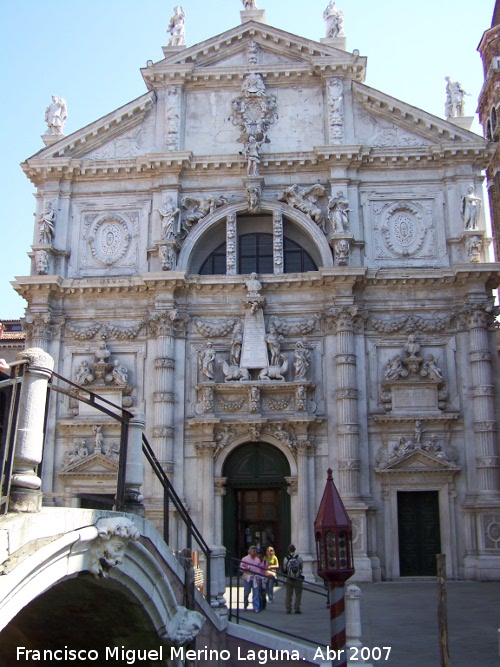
331,512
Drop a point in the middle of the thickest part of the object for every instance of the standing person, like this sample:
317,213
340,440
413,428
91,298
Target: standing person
292,567
272,565
250,566
260,581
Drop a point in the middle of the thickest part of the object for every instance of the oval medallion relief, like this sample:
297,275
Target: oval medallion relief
109,240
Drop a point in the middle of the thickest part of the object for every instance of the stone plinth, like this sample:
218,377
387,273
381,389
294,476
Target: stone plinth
258,15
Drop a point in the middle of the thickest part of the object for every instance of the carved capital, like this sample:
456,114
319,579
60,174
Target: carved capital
343,318
167,322
206,448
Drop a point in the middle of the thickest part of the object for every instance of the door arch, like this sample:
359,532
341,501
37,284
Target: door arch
256,506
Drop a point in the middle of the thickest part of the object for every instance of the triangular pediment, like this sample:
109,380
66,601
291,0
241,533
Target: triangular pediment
419,460
394,122
276,49
95,464
124,133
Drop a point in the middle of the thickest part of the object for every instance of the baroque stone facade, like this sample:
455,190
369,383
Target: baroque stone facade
285,270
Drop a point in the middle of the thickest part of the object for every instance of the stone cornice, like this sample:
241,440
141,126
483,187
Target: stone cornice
41,168
488,273
343,278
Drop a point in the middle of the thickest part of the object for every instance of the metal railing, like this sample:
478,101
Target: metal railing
9,392
236,603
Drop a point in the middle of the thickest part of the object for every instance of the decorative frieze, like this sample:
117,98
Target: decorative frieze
215,328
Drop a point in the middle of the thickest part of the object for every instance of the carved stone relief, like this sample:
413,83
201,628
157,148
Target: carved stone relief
137,141
403,229
231,244
474,246
108,549
380,132
412,382
335,111
197,208
305,199
104,371
172,117
111,240
254,110
42,262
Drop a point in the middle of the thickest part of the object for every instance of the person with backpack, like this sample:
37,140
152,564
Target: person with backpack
292,568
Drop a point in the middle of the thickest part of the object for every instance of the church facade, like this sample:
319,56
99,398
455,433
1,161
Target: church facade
284,270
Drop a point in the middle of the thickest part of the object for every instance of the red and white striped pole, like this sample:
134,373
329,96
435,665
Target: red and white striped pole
333,534
337,625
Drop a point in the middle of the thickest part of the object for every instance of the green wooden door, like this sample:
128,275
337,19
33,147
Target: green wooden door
419,533
256,504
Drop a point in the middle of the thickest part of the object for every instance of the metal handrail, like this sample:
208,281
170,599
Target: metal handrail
124,416
170,494
9,430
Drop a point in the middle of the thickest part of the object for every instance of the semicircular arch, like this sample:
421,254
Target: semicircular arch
243,440
210,221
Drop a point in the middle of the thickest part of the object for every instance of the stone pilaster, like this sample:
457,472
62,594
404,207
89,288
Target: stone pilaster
278,256
483,405
206,451
231,243
347,403
163,324
134,466
220,492
304,511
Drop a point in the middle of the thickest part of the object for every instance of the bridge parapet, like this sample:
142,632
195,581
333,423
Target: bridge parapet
39,551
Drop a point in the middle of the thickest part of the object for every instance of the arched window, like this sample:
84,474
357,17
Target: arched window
488,130
255,254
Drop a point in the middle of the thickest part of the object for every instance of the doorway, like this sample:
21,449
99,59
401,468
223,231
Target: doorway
256,507
419,532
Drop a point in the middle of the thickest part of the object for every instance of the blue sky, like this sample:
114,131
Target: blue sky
89,52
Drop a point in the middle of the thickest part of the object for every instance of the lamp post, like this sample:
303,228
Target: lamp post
333,536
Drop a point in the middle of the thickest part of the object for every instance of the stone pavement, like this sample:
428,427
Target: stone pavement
403,616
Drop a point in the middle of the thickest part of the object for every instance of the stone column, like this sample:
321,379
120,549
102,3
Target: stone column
483,402
134,467
206,451
26,495
347,403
